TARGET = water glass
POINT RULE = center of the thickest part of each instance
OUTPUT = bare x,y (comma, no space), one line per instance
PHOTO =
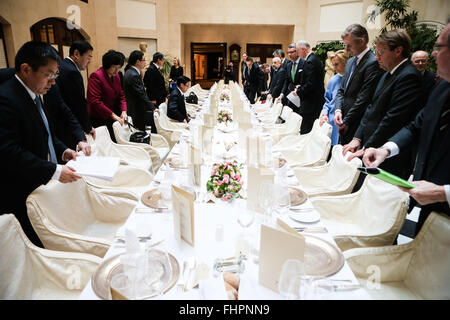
290,278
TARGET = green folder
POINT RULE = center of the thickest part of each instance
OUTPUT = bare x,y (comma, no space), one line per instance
387,177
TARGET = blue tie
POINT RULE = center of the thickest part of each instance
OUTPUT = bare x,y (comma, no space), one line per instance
352,70
50,140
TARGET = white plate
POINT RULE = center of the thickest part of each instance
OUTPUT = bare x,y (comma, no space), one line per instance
309,216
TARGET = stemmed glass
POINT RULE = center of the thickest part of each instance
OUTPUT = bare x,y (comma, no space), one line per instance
289,282
283,199
266,199
158,268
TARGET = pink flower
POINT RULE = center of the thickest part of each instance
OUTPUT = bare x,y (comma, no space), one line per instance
232,174
219,182
213,172
237,177
226,178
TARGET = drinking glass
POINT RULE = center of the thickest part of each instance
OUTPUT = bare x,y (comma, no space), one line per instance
158,268
290,278
266,199
283,199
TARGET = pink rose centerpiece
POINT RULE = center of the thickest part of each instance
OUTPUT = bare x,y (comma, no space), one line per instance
226,180
225,96
224,116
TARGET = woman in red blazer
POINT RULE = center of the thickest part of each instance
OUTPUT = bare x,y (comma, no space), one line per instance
105,97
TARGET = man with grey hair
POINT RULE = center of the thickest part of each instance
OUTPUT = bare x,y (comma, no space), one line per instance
310,89
361,76
279,76
420,60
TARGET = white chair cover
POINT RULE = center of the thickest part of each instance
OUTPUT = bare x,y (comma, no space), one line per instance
77,217
370,217
158,150
285,113
127,177
337,177
272,115
416,270
28,272
168,129
103,146
290,128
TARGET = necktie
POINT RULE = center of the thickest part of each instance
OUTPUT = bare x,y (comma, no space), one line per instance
352,69
444,120
50,140
293,70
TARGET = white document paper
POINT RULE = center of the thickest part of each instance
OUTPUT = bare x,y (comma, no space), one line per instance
98,167
294,99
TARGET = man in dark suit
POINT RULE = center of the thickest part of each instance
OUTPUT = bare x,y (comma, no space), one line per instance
278,78
176,107
358,84
253,79
431,132
394,103
154,80
64,124
71,86
29,151
420,60
139,106
264,77
311,90
244,70
294,70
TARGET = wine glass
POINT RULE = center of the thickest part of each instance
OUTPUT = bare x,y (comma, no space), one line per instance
266,199
290,279
283,199
158,268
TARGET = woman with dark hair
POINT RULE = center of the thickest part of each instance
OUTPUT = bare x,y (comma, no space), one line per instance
106,100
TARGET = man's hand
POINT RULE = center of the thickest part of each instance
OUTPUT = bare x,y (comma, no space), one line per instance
68,174
93,134
338,118
278,99
357,154
69,154
426,192
85,147
353,146
154,102
269,97
294,93
184,121
158,111
374,157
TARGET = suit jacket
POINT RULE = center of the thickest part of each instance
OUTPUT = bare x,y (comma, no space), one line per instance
433,147
353,99
254,78
428,82
311,90
243,71
264,77
277,83
105,95
394,105
23,146
176,108
71,86
289,85
138,102
175,73
155,84
65,126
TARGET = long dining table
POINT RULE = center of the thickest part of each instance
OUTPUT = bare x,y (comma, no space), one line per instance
217,232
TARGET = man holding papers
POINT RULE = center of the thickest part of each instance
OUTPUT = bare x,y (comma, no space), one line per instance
29,151
431,132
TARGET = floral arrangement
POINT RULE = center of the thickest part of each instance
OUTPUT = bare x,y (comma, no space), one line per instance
224,116
225,95
226,180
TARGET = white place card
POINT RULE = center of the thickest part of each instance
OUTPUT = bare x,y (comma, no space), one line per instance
255,176
183,215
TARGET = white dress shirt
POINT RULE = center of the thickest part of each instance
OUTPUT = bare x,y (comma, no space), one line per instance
58,170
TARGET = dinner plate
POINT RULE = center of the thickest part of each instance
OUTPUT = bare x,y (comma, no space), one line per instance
305,216
101,279
152,199
321,257
298,196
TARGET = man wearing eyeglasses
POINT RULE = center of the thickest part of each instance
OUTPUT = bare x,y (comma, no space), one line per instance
420,60
430,131
29,150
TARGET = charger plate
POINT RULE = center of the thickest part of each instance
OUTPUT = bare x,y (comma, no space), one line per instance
321,257
151,199
101,279
298,196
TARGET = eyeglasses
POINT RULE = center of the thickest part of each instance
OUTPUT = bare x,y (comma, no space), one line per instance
379,52
52,76
438,46
420,61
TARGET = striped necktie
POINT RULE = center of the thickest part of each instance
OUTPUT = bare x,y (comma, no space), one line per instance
51,148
